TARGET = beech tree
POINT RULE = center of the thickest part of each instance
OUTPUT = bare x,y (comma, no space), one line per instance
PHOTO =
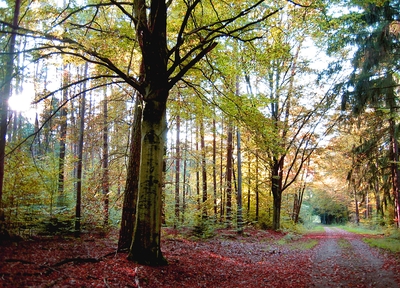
164,61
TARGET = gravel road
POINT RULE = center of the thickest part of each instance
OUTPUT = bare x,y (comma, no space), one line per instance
342,259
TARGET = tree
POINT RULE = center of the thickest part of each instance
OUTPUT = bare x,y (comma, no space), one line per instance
374,81
164,62
151,33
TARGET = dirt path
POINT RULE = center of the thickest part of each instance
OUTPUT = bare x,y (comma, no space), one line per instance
343,260
255,259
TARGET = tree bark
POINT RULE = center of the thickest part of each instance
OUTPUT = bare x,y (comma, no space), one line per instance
146,247
277,192
229,169
80,159
61,197
132,181
105,180
203,171
239,183
177,170
257,189
214,157
184,186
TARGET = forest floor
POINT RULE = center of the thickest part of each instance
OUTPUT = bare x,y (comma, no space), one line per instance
257,258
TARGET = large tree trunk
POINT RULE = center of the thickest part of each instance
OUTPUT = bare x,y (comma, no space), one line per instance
146,247
132,181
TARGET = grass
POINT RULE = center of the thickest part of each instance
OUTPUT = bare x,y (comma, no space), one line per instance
359,229
389,239
295,242
315,228
344,243
386,243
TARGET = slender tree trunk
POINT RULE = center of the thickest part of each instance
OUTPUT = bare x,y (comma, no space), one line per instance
276,188
221,178
229,168
239,183
80,158
177,171
105,180
356,203
298,198
395,170
132,181
257,189
379,210
61,197
203,170
214,159
184,188
5,93
248,189
197,172
394,149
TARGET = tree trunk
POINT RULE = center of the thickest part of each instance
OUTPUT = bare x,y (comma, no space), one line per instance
184,188
80,157
276,188
239,183
203,170
394,149
229,160
214,157
379,210
132,181
105,180
61,197
395,169
298,198
5,93
146,247
257,189
177,171
356,204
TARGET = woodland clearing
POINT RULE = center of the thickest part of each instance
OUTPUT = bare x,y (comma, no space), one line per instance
257,258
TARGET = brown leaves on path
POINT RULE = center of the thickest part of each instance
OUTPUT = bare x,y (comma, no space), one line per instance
255,259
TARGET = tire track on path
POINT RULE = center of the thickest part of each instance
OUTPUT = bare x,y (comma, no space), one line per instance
342,259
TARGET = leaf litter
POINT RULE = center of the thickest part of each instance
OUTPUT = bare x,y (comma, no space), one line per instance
257,258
